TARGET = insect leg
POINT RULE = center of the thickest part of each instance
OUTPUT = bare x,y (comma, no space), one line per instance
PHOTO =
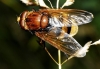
41,42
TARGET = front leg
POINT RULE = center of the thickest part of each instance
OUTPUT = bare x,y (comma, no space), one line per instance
41,42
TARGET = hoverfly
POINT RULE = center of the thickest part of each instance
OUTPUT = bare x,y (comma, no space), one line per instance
56,26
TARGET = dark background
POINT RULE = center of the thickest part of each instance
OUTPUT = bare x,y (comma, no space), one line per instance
19,48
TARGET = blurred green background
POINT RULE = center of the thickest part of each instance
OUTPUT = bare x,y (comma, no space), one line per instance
19,48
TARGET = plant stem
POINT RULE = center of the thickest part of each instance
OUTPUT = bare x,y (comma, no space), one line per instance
59,59
57,4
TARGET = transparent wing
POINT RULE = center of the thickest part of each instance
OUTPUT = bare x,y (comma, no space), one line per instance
66,44
69,16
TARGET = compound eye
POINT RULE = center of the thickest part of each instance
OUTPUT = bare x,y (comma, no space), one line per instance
21,20
27,20
33,20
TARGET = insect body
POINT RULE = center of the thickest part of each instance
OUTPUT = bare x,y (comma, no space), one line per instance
57,27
